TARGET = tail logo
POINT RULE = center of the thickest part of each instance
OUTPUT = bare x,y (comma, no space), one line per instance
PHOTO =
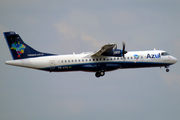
18,47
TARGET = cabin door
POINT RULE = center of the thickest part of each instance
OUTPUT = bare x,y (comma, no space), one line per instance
52,64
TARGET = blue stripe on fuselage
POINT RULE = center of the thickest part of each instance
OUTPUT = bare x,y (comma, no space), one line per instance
98,66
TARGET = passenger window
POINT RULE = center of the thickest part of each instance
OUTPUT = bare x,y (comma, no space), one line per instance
72,60
96,59
82,60
61,61
75,60
79,60
89,59
68,60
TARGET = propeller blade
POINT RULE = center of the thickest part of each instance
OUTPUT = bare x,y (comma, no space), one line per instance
123,45
124,52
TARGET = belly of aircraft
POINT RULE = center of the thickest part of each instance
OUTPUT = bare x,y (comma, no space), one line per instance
92,67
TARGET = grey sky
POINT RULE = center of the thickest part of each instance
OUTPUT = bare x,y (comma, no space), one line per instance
67,26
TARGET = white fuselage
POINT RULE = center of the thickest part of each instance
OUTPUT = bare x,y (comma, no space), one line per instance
84,61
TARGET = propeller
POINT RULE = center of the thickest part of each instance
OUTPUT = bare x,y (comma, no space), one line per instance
123,51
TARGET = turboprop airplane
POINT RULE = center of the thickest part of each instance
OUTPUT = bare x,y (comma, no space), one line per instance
108,58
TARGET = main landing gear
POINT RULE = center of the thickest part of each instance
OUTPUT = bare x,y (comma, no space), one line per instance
99,73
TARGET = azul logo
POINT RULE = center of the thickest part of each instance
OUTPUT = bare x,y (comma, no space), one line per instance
154,55
18,47
136,56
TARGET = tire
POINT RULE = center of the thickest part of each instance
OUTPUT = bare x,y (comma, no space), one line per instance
167,70
97,74
102,73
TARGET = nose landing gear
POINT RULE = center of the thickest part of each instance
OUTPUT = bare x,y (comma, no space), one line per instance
167,70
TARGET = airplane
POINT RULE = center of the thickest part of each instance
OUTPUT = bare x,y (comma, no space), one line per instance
108,58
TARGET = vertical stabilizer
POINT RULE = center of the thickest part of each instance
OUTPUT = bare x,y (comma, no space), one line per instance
19,49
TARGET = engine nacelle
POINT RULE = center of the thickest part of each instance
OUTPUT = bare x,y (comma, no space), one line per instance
114,52
117,52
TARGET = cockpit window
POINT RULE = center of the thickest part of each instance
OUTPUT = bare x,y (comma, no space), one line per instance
164,53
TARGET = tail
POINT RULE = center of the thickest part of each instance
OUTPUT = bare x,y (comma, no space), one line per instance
19,49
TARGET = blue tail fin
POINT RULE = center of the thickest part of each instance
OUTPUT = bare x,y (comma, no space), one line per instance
19,49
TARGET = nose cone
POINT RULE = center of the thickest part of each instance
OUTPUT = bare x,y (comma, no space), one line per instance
174,59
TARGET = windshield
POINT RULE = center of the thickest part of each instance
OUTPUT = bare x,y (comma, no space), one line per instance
164,53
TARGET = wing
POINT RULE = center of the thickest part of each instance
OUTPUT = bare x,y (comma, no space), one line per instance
105,48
